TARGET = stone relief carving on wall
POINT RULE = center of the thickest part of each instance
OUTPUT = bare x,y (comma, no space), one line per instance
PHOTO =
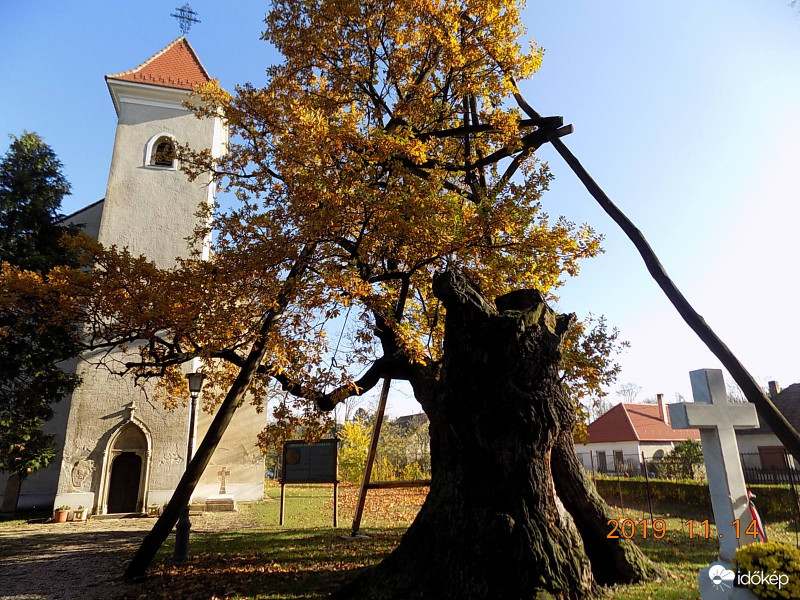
81,471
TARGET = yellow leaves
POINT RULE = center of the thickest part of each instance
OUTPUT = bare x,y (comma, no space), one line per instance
172,389
506,123
213,98
364,44
362,144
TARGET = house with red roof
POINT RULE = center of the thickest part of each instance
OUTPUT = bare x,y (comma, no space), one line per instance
618,439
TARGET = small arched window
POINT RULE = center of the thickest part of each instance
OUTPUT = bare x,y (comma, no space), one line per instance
164,155
658,455
160,152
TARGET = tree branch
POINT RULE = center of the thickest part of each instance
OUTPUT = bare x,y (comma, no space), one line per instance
786,433
385,367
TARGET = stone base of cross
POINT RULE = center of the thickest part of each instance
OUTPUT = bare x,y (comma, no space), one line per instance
221,503
717,419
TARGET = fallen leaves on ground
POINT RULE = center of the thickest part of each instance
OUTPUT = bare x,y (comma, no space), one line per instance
305,559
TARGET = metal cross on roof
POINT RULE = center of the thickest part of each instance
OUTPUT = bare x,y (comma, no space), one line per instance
186,16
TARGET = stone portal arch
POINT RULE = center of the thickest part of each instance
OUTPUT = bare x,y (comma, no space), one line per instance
126,471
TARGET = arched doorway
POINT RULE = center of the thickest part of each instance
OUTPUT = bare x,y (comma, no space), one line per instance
125,474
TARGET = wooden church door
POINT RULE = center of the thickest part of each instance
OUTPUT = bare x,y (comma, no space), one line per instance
123,487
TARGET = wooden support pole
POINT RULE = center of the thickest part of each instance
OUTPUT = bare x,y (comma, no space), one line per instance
335,504
787,434
283,500
647,484
373,447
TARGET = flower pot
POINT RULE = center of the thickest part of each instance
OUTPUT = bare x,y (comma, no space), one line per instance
60,516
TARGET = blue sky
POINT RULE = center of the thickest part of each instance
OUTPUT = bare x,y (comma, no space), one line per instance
684,112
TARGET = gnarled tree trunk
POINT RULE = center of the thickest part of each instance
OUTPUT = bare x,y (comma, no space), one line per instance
613,560
492,525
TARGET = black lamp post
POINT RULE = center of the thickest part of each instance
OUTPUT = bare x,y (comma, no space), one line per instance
184,525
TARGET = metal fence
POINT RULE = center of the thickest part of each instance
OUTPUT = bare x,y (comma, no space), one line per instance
773,466
630,481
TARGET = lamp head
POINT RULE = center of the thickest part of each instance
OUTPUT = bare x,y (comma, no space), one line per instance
195,382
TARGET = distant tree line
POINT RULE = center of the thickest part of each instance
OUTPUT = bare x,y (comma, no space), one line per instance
403,448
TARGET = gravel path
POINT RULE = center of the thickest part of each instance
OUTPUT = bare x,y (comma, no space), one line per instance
81,560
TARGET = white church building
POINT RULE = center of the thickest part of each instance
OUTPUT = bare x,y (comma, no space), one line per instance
119,452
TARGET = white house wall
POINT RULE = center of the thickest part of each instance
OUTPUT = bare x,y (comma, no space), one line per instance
630,450
650,448
749,444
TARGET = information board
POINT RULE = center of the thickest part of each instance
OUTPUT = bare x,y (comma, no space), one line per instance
316,462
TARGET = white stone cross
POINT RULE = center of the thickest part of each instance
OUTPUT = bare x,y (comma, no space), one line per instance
716,419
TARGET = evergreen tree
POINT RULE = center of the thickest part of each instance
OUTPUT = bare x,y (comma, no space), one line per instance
32,187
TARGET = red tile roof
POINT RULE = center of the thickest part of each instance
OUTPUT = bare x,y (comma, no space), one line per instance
176,66
636,422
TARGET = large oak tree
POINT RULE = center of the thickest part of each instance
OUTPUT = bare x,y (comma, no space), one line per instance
382,174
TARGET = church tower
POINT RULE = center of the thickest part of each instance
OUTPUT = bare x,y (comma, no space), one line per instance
150,204
120,452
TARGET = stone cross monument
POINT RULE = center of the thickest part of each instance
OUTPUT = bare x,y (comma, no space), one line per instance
716,419
222,475
222,501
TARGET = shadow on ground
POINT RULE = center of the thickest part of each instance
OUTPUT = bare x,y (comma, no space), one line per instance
306,563
72,562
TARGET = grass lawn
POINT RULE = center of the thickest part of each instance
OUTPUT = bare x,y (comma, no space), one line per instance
307,558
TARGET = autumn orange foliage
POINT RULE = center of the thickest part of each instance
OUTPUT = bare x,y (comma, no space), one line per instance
382,149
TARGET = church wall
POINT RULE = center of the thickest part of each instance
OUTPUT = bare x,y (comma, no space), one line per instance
150,210
38,490
89,217
239,453
100,406
170,202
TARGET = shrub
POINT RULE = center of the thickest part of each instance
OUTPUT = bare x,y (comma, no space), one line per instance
770,559
355,437
774,502
402,455
384,470
414,472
